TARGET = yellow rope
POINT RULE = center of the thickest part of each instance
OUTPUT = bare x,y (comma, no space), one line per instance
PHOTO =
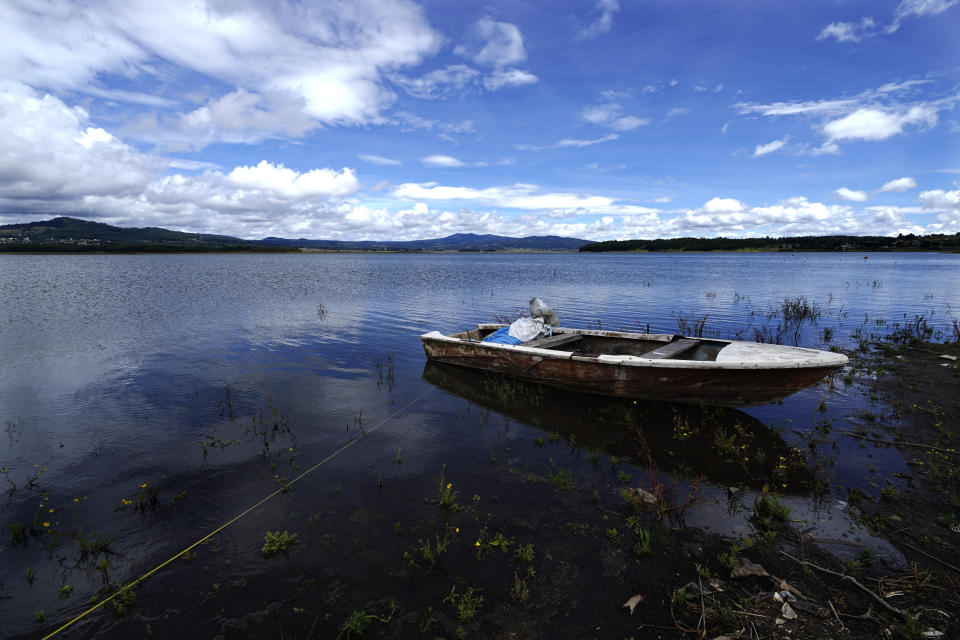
237,517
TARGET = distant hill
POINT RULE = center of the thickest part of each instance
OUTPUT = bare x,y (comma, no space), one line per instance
65,234
75,235
456,242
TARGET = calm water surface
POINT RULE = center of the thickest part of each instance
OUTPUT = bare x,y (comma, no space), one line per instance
157,370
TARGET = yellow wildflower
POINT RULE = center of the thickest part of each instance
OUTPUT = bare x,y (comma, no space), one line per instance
46,524
449,484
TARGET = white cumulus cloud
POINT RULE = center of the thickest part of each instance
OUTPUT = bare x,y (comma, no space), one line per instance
287,183
566,143
722,205
872,124
770,147
294,66
381,160
940,199
575,142
872,115
799,209
493,44
440,83
607,10
850,195
521,196
441,161
898,185
849,31
920,8
629,123
54,162
49,151
501,78
610,114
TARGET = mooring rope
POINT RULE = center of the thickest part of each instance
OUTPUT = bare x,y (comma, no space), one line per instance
238,516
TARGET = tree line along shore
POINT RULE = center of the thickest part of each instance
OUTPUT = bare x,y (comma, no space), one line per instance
911,242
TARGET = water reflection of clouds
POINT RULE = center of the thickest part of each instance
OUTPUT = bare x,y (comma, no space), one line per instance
130,329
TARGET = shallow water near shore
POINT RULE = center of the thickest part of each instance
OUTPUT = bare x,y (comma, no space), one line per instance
150,399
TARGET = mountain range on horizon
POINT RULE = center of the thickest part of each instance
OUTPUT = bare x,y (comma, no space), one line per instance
65,233
73,235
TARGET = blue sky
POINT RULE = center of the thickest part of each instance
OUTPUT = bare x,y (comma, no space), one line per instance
368,119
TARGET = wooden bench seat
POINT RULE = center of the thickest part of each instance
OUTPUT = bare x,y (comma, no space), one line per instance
671,349
553,341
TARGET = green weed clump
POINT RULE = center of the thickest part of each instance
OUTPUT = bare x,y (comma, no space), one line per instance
431,551
275,542
771,507
561,479
356,623
520,591
124,602
448,495
525,554
485,544
467,604
679,596
729,558
19,534
642,547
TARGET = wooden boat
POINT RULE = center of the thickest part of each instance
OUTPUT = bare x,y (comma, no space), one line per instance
646,366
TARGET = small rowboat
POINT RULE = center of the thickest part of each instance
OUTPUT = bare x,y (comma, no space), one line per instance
645,366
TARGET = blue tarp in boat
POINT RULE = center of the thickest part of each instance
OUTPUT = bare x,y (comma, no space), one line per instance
501,336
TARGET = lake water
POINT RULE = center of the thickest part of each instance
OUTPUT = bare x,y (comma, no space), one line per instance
149,399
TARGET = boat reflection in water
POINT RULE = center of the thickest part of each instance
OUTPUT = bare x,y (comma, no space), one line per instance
723,445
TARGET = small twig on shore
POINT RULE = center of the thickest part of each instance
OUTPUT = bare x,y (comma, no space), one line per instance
703,608
830,541
852,581
840,622
896,443
932,557
868,616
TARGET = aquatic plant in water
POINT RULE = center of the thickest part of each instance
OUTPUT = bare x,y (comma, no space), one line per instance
276,542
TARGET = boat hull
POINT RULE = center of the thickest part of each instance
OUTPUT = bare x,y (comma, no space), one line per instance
703,383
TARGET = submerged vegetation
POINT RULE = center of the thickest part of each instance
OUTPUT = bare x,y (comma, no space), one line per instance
275,542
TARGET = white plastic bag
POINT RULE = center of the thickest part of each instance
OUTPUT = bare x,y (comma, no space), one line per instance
540,309
526,329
